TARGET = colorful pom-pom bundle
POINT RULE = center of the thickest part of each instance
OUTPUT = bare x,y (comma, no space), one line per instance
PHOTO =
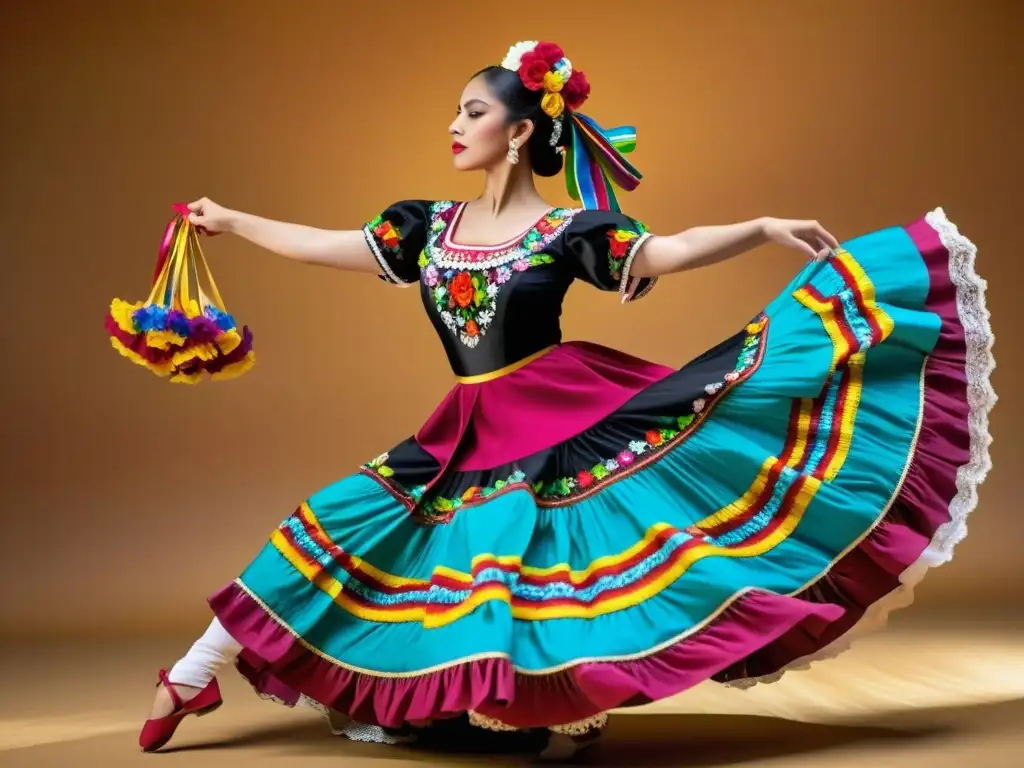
182,330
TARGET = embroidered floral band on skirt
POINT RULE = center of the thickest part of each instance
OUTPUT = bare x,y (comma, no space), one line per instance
182,330
832,457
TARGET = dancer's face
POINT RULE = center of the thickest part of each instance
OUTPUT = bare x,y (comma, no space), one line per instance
481,132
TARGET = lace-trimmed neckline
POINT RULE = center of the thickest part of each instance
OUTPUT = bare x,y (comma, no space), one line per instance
444,252
452,229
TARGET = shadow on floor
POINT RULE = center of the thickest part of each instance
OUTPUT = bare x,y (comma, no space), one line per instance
697,741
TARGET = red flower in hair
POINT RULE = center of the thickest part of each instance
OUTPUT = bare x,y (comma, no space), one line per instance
532,71
550,52
576,91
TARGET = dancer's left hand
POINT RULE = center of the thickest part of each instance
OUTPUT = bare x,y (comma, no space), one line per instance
809,237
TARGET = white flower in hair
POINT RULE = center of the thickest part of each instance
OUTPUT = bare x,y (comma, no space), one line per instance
514,57
564,69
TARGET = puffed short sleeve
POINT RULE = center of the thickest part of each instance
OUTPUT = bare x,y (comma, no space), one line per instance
397,237
602,245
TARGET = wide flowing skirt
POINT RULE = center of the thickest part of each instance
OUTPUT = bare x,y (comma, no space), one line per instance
538,560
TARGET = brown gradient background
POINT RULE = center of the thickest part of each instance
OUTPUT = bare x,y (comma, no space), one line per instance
126,500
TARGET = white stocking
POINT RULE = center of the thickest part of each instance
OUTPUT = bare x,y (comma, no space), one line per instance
206,657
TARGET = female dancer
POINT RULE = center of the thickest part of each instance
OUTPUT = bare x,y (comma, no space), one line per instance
574,529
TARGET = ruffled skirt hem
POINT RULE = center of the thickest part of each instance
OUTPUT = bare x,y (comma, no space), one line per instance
958,397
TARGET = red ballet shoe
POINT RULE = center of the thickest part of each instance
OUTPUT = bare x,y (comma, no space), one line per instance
159,730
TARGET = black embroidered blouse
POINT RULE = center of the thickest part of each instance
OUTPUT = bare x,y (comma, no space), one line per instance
494,306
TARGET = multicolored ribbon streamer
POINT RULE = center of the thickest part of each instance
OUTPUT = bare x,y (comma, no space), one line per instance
595,163
181,210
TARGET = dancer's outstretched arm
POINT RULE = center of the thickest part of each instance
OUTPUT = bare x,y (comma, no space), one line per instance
702,246
340,249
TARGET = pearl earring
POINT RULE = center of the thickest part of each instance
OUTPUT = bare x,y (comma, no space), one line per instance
513,151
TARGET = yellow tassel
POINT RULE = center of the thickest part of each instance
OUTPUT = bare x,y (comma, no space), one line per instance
163,339
198,352
122,311
228,342
160,369
185,378
235,370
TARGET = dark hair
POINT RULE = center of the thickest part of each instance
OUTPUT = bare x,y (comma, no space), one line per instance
524,104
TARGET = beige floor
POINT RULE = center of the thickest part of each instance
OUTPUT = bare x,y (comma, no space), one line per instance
921,694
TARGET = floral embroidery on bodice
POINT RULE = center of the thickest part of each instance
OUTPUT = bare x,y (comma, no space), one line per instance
493,306
465,280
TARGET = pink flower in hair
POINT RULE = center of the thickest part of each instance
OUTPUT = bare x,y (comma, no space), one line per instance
549,52
532,71
576,90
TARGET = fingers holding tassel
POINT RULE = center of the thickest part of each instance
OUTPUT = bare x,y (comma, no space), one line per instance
207,217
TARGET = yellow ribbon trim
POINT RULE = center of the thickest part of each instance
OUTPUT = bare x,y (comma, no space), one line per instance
492,375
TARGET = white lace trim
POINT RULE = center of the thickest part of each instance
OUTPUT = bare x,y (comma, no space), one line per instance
351,729
575,728
628,284
444,254
370,734
981,397
582,727
389,274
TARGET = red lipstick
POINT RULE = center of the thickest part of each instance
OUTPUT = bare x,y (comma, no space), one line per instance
456,148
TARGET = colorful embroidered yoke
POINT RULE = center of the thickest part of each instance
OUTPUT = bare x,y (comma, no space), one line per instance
575,530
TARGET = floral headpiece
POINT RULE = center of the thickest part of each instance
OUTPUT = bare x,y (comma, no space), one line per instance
594,157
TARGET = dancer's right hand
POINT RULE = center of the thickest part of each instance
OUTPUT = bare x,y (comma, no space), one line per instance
209,217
